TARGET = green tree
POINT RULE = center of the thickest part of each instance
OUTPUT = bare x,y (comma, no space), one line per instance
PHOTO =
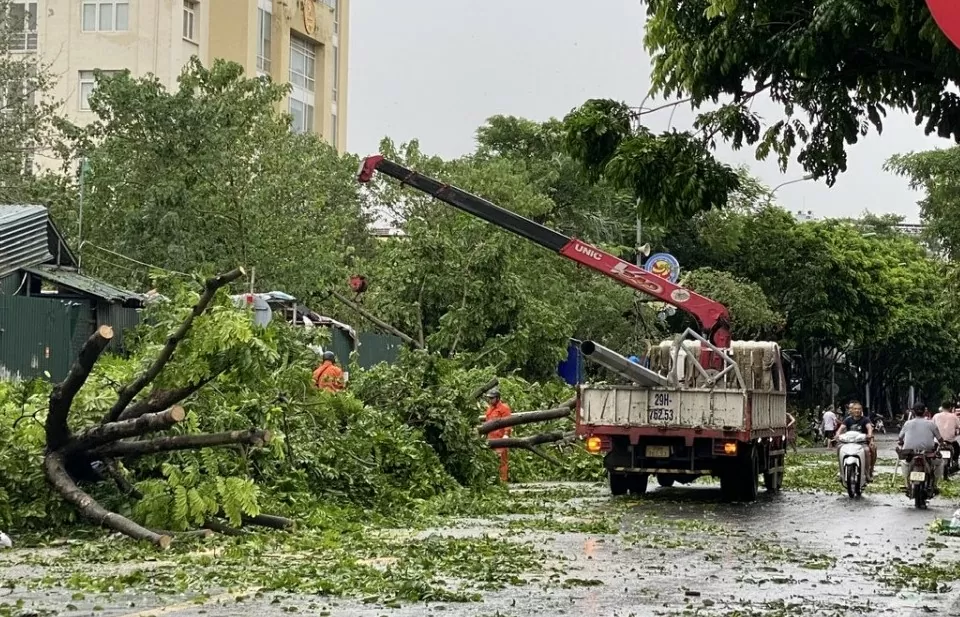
834,67
209,175
606,137
476,290
935,172
28,130
751,316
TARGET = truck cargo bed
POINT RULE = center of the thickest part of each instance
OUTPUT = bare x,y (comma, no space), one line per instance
701,410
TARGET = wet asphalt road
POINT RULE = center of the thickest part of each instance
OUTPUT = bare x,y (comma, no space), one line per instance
680,551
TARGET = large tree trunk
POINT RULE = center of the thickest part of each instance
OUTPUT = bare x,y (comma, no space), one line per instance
70,457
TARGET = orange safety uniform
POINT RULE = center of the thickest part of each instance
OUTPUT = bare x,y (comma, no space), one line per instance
329,377
495,412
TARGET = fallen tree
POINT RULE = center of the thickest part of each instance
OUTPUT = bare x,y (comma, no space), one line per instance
528,417
531,417
92,454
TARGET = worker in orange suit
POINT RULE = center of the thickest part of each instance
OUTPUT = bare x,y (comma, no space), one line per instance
328,375
498,409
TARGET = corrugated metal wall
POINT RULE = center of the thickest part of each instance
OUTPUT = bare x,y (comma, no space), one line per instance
374,348
36,335
118,318
11,283
23,237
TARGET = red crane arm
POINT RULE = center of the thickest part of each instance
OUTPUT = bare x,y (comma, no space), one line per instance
712,316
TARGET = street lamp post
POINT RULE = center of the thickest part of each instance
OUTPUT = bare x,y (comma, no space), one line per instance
783,184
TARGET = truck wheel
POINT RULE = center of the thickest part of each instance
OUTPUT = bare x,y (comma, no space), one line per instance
618,483
728,485
749,473
665,481
773,482
638,483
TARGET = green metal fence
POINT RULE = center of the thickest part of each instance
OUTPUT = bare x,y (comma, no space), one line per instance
37,336
374,348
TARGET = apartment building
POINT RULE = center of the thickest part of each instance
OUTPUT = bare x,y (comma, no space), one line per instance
302,42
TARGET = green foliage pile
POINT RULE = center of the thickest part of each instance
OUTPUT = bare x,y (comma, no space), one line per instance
400,436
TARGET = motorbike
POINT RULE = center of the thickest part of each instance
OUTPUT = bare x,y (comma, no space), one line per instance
951,459
879,427
852,455
921,473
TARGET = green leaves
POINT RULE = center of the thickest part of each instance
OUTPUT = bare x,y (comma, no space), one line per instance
208,176
595,131
673,176
833,67
750,313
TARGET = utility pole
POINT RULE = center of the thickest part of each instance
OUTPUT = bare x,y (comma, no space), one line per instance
833,383
639,240
83,172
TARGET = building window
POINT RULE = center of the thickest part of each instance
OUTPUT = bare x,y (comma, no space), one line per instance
302,112
88,83
336,71
23,25
303,70
189,19
334,132
303,64
106,16
264,23
16,96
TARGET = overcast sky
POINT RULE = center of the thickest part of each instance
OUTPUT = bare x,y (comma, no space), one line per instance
436,69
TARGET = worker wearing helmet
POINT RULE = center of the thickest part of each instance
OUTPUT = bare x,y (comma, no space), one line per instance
328,375
498,409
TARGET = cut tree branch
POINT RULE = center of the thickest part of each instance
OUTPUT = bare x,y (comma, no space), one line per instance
545,457
103,434
490,385
528,417
253,437
131,390
57,431
271,521
227,530
376,320
528,442
198,533
162,399
57,475
123,483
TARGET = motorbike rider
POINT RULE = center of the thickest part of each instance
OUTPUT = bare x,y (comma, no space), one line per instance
856,421
949,426
921,435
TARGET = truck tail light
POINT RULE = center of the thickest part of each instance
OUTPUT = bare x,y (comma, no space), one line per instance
725,448
598,443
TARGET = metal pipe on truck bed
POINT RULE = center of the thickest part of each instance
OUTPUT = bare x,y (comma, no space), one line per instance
610,359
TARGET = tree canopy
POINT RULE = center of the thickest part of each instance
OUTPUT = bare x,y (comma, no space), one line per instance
209,176
834,67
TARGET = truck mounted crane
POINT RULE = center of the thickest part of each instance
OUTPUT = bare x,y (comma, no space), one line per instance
712,317
693,413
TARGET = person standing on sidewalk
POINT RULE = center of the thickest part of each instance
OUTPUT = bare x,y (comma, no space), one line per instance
830,422
496,410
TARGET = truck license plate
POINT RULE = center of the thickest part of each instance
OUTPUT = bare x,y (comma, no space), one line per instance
917,476
659,414
658,451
